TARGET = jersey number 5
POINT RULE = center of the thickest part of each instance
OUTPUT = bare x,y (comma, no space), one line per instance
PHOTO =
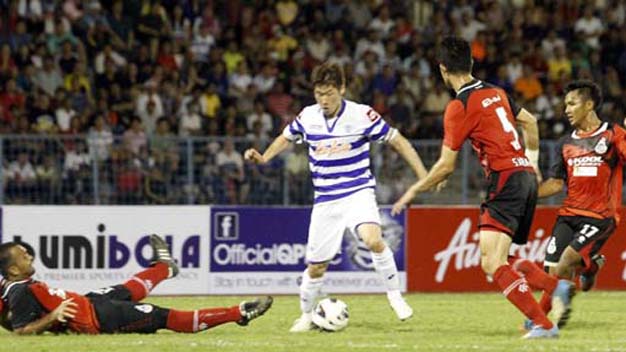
508,127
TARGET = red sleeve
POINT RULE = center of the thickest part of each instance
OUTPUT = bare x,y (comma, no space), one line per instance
620,143
455,128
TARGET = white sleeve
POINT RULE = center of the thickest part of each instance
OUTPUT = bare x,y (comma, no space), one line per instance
378,130
294,131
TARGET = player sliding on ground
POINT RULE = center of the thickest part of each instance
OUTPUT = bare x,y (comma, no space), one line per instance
487,116
31,307
338,133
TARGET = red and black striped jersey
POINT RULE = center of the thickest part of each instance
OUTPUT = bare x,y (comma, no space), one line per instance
30,300
591,165
484,114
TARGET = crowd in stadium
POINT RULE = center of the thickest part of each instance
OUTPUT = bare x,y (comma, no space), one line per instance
128,74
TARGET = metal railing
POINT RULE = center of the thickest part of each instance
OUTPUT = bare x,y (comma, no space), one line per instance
101,169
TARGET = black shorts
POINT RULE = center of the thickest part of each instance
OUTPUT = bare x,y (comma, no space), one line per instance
510,203
117,313
586,235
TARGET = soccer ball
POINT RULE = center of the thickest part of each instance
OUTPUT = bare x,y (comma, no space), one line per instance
331,314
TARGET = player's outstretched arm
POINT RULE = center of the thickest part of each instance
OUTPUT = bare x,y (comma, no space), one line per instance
65,311
530,131
278,146
406,150
550,186
440,171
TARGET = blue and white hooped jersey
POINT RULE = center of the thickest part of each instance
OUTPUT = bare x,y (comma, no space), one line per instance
339,148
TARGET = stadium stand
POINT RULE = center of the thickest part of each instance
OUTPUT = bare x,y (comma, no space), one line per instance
152,102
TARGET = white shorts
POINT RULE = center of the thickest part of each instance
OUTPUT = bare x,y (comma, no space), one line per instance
329,221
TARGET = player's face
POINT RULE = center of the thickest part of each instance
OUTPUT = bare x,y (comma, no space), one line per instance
577,108
329,98
22,263
444,76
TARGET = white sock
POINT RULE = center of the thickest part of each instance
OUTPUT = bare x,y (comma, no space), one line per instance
309,291
386,267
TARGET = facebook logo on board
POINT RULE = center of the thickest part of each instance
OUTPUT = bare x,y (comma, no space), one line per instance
226,226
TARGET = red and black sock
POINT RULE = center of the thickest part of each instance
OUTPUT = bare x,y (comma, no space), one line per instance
202,319
516,290
536,277
142,283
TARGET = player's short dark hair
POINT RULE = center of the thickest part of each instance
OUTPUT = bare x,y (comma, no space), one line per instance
5,257
587,90
455,54
328,74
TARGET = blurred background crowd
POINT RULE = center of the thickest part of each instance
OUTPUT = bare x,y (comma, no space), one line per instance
153,101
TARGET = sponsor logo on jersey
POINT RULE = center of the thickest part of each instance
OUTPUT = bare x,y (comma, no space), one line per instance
332,148
488,101
601,146
585,161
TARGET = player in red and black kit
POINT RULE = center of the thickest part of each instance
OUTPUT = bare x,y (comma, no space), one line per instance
485,115
30,307
590,166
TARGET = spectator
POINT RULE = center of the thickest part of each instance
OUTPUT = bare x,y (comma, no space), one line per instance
264,81
386,81
436,100
190,121
230,164
21,178
149,107
239,80
48,180
135,138
278,101
261,115
590,27
64,115
559,65
528,85
108,57
287,11
100,140
48,77
10,98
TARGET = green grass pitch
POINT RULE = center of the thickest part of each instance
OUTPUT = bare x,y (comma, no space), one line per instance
442,322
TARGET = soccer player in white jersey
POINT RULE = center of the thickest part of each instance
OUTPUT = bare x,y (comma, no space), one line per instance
339,133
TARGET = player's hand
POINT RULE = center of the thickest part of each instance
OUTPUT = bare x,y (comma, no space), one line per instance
538,174
441,185
254,156
65,311
406,198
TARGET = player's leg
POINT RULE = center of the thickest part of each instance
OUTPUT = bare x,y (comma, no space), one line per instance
589,274
310,291
494,247
505,218
325,235
590,235
385,265
132,317
562,234
363,218
141,284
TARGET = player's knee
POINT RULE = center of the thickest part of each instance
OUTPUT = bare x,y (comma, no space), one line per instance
317,270
488,264
375,244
